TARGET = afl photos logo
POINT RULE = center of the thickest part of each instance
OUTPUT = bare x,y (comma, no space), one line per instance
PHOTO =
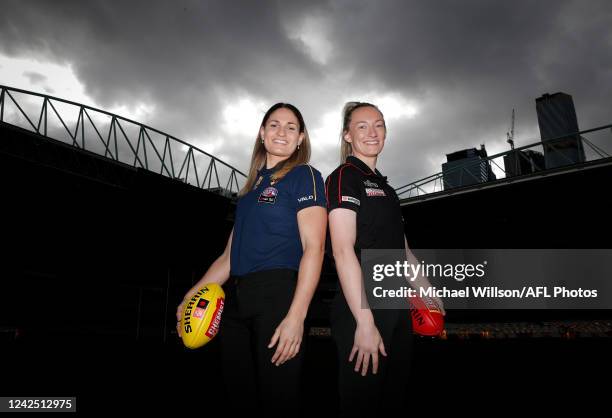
268,195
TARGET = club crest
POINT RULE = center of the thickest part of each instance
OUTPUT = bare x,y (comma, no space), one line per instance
268,195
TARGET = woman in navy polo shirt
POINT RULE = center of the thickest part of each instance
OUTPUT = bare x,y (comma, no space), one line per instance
273,259
364,213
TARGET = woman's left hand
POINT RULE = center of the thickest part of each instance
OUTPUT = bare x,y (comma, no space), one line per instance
289,335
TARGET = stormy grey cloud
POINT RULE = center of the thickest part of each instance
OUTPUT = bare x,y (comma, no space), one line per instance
34,77
450,72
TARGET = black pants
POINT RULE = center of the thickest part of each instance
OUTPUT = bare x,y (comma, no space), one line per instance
255,304
389,390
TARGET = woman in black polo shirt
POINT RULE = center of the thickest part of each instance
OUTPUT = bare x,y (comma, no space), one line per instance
364,213
273,259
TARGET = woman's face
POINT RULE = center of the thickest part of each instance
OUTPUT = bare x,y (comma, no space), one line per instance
366,132
281,133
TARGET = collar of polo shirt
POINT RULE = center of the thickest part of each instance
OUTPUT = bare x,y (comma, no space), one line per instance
351,159
265,171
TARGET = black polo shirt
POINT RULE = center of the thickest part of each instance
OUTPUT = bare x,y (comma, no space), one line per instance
355,186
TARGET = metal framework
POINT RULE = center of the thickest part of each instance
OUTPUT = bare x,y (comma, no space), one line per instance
436,183
125,140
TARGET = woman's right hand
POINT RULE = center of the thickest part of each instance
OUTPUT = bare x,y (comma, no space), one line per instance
179,313
368,343
180,309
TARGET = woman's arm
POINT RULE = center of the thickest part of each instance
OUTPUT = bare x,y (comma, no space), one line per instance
218,272
312,224
421,281
368,342
343,232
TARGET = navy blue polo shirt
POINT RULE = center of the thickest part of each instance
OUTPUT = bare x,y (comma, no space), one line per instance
266,234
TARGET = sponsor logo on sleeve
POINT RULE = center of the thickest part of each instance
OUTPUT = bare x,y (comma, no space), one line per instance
351,200
305,198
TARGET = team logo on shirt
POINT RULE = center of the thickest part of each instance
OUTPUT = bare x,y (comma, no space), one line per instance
373,189
268,195
374,192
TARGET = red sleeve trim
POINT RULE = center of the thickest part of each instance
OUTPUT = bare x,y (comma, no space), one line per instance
340,184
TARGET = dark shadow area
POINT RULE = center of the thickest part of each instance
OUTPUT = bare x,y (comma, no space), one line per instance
97,254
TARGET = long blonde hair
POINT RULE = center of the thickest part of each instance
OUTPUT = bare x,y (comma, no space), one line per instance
258,159
346,148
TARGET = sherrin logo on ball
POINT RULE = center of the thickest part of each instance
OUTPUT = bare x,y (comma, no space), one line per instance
202,316
427,320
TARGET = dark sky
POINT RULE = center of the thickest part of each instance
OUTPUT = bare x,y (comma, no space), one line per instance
447,74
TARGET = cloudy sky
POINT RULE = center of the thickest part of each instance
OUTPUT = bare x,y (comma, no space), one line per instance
447,74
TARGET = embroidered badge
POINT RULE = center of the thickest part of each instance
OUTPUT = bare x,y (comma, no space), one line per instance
369,183
268,195
351,199
374,192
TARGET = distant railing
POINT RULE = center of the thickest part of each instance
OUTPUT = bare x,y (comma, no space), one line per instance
124,140
438,183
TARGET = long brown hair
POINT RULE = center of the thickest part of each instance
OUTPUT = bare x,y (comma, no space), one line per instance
346,148
258,160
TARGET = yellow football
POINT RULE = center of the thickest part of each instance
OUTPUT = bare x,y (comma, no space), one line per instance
202,316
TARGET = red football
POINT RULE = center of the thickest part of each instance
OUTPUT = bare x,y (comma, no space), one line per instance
427,320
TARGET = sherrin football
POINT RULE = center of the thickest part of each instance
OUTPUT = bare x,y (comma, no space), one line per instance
202,316
427,320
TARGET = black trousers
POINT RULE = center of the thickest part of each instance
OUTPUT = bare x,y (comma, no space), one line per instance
388,391
255,304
